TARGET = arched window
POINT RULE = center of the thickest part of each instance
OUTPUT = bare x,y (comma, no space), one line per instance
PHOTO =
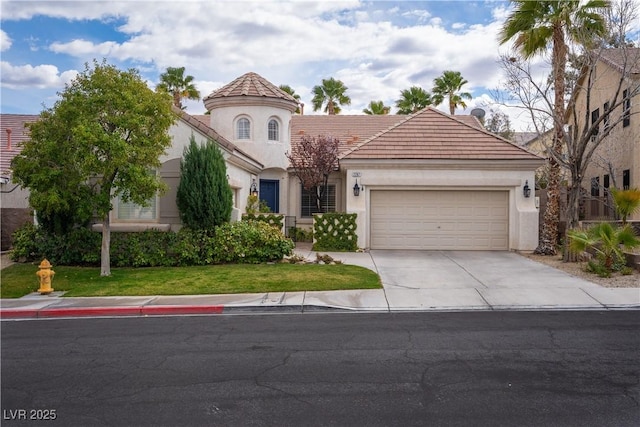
274,130
243,129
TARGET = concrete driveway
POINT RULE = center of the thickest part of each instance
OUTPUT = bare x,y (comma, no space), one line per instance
467,270
473,280
483,280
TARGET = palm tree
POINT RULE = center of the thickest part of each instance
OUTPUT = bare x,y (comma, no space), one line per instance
288,89
331,92
535,25
178,85
376,108
606,241
413,100
627,202
449,85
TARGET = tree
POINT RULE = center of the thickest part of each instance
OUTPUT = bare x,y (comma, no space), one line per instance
288,89
535,25
99,141
178,85
606,241
331,93
449,85
204,197
413,100
499,123
376,108
627,202
312,160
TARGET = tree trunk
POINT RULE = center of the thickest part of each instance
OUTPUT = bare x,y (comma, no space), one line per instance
105,256
573,207
551,219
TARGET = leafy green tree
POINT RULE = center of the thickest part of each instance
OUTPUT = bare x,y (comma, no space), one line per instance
288,89
331,94
413,100
178,85
449,85
99,141
535,25
377,108
204,197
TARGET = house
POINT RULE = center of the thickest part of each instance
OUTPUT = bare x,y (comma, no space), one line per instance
14,204
427,180
616,160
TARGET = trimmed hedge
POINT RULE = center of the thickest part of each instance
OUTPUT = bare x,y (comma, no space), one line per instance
238,242
335,231
275,220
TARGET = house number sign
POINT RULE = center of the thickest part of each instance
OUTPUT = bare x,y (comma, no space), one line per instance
356,174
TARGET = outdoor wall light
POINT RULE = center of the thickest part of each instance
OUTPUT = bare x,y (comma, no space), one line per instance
526,190
356,189
254,188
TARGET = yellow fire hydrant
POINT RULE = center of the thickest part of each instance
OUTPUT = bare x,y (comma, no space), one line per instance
46,276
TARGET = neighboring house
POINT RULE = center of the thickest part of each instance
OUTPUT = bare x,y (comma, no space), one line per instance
14,204
616,161
428,180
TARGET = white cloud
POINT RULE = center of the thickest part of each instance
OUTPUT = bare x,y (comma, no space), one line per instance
458,25
40,76
5,41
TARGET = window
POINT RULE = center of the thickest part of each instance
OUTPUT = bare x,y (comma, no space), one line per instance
243,129
605,110
309,202
595,115
274,130
626,179
595,187
133,211
626,108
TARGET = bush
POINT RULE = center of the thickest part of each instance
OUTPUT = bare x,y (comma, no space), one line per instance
238,242
250,242
80,246
335,231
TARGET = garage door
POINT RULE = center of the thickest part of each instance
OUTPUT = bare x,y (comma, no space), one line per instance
445,220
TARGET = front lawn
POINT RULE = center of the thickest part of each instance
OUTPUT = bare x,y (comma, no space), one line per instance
20,279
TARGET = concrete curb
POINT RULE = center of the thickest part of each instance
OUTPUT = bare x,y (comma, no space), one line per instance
174,310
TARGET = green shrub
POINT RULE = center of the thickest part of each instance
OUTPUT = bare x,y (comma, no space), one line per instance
149,248
335,232
25,243
80,246
275,220
194,247
250,242
300,234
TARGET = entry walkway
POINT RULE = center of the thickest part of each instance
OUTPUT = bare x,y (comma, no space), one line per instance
412,280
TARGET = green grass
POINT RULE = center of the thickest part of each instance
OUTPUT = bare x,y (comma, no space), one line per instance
20,279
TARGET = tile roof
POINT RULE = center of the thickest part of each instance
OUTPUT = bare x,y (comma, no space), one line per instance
623,58
431,134
12,146
349,130
251,84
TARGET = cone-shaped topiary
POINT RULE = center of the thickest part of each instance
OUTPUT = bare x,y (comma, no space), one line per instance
204,197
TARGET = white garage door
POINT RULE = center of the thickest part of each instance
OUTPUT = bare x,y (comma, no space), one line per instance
445,220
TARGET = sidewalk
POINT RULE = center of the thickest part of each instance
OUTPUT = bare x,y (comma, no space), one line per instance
453,282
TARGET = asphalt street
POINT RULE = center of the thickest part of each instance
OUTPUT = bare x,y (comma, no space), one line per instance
569,368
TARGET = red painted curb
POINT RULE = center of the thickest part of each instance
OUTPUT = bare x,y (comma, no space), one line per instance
18,313
151,310
89,311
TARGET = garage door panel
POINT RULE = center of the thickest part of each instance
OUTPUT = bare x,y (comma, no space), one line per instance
447,220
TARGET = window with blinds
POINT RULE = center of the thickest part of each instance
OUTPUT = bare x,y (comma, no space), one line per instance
133,211
309,202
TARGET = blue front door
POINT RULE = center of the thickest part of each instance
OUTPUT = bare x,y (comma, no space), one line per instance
270,193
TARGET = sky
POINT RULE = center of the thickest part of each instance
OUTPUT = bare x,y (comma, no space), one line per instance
376,48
